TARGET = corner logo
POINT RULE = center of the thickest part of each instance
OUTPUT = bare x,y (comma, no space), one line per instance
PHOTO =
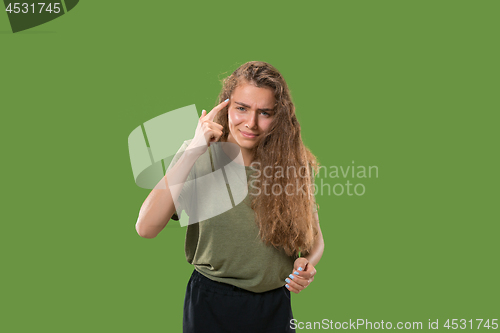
28,14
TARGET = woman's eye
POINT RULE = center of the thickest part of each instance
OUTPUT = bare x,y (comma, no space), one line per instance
265,113
240,107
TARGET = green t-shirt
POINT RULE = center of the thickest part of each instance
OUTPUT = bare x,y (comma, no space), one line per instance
227,248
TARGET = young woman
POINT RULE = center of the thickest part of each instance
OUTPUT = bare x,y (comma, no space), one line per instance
248,258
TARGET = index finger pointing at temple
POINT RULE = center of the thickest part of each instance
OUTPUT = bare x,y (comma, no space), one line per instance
211,115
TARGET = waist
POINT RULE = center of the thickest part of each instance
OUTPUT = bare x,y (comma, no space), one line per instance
224,288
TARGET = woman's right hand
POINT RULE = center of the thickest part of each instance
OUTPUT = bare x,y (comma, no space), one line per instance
207,130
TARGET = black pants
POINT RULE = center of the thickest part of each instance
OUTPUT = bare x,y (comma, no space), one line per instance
214,307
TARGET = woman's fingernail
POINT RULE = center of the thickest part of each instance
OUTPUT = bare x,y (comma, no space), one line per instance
287,280
296,273
226,100
300,268
287,286
291,276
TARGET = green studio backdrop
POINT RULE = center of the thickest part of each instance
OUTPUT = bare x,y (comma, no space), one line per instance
410,87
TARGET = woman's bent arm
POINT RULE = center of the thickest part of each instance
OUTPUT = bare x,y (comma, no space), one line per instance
159,206
315,254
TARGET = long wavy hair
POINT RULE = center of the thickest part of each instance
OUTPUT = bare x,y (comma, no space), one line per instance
285,221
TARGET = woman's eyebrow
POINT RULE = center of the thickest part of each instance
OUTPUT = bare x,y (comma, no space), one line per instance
248,106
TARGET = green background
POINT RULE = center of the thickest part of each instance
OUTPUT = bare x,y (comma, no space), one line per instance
408,86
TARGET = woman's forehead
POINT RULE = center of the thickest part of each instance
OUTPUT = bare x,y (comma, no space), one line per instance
253,96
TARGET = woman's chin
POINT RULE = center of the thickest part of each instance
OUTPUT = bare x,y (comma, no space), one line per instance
247,145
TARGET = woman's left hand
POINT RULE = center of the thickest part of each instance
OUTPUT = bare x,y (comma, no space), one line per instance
303,274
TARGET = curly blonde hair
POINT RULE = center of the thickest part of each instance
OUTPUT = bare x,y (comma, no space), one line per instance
285,221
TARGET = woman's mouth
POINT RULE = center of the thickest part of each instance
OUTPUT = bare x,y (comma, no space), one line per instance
248,135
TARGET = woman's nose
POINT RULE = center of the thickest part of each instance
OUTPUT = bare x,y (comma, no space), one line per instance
252,120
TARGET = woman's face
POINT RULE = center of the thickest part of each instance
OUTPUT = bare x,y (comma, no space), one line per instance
250,113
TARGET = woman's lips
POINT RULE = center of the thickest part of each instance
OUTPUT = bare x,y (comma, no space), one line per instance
248,135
